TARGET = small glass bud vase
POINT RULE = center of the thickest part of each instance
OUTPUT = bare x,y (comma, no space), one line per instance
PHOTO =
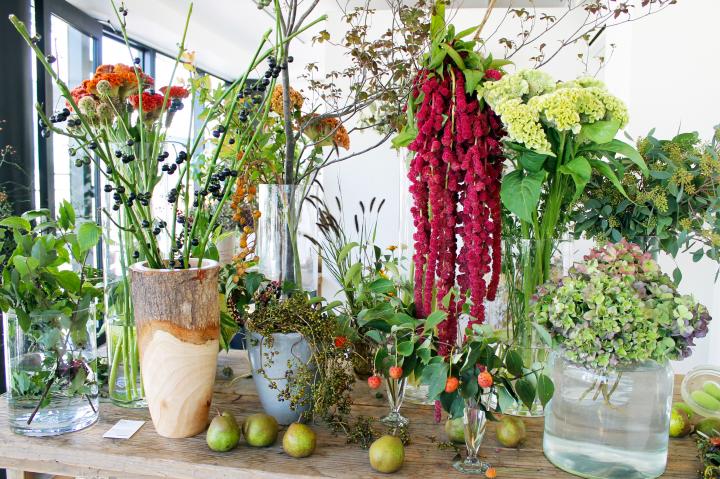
395,394
475,422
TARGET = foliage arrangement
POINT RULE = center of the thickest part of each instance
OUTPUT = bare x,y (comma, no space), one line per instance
559,136
327,373
483,372
454,176
52,302
676,204
118,121
617,308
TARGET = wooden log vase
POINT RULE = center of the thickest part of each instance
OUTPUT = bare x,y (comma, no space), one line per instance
178,329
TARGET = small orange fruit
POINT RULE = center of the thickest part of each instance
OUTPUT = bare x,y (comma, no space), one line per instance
396,372
451,384
491,473
485,379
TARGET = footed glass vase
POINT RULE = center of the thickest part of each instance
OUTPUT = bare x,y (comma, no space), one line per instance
396,394
475,421
608,424
51,372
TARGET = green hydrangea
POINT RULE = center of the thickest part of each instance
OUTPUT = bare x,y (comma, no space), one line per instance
617,308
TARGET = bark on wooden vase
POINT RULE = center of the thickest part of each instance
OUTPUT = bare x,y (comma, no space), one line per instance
178,330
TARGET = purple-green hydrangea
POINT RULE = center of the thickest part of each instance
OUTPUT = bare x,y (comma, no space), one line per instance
617,308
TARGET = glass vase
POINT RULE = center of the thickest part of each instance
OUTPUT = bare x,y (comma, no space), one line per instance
51,372
475,421
608,424
396,394
125,387
526,264
283,249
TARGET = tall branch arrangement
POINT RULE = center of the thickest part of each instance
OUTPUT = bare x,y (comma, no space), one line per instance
103,106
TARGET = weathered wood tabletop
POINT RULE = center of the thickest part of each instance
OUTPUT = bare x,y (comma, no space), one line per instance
146,455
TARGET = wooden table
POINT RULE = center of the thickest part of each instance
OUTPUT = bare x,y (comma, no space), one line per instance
146,455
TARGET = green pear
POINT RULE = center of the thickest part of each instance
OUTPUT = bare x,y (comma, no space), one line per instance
299,440
387,454
510,431
223,433
260,430
684,407
455,429
679,423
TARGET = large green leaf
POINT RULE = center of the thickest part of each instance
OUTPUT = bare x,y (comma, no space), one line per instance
514,363
381,286
88,235
545,389
435,375
520,193
435,318
622,148
405,348
472,79
525,391
580,170
532,161
69,280
16,222
601,131
605,170
345,250
352,276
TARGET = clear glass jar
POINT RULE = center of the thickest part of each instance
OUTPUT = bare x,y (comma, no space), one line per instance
608,424
283,249
395,394
51,373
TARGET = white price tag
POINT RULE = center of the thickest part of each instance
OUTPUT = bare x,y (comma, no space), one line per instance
124,429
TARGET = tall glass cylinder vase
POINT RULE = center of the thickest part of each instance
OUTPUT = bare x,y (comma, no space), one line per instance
527,264
125,386
283,249
51,372
609,424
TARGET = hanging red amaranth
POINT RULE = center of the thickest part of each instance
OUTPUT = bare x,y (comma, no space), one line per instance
455,184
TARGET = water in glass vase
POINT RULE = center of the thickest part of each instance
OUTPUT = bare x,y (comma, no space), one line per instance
609,425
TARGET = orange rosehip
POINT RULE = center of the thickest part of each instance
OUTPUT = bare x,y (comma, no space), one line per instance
374,382
396,372
485,379
491,473
340,341
451,384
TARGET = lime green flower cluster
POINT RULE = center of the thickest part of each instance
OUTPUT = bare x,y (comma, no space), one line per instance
530,101
617,308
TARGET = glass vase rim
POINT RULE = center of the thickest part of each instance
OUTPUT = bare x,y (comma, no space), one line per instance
621,367
291,335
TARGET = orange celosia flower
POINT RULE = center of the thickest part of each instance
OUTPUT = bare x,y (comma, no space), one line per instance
104,69
276,101
176,92
150,101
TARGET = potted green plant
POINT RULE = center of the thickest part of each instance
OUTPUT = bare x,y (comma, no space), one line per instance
616,321
48,295
299,363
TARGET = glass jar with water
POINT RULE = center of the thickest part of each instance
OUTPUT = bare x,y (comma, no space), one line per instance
608,424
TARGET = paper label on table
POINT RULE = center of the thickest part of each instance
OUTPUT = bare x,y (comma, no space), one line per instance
124,429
